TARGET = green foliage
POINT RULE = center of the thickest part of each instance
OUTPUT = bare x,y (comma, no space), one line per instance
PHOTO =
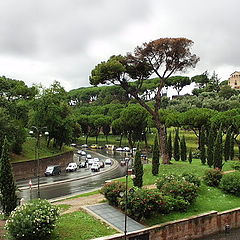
143,203
210,146
183,149
33,220
169,144
236,166
8,196
218,150
230,183
190,156
202,149
227,144
180,188
192,178
176,154
231,147
212,177
155,157
112,191
138,170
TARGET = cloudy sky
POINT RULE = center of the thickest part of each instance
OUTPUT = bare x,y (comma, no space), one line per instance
47,40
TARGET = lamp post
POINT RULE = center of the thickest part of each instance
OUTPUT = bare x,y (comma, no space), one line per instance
37,133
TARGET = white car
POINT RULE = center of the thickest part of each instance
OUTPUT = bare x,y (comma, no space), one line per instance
95,167
81,152
126,149
108,161
90,161
84,146
119,149
71,167
89,156
96,160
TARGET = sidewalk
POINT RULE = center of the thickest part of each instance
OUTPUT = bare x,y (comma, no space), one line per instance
114,217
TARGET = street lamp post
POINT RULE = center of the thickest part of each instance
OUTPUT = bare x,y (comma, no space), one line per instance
37,132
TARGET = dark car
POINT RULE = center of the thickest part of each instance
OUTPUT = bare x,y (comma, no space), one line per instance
53,170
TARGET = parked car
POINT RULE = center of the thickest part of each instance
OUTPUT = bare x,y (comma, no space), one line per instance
108,161
53,170
84,146
71,167
95,167
83,164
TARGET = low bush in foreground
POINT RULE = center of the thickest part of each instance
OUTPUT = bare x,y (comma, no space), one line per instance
230,183
33,220
212,177
112,191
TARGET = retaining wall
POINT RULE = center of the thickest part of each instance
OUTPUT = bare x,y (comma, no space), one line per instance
28,169
187,229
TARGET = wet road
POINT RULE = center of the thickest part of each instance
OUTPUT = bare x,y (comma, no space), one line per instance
53,188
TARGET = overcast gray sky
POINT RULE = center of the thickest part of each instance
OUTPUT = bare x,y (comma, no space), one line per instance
47,40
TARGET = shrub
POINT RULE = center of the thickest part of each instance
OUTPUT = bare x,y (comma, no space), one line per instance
212,177
189,177
33,220
180,188
230,183
174,204
236,166
166,179
142,203
112,191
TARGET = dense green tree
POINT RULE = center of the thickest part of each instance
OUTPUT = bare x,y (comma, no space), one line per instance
138,170
231,152
210,146
190,156
176,150
155,157
164,57
8,196
178,82
52,110
202,141
227,144
183,149
170,145
218,150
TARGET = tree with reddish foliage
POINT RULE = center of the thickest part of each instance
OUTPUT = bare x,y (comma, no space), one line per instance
163,57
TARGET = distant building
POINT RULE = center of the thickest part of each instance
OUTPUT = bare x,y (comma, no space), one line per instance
234,80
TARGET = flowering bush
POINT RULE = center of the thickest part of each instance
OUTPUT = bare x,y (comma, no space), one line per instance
33,220
180,188
189,177
166,179
112,191
230,183
142,203
212,177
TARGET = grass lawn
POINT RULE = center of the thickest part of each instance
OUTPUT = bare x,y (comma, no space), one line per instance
79,226
29,150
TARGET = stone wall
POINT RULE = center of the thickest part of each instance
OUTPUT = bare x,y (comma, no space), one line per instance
187,229
28,169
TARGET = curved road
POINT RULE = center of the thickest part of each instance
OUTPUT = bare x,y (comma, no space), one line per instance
68,184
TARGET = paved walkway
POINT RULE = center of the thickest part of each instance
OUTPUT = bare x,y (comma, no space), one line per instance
114,217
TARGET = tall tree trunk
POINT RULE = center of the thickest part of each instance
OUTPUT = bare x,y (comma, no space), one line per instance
162,135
